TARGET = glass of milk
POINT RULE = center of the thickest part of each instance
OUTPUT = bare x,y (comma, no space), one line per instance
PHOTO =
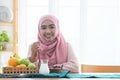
44,69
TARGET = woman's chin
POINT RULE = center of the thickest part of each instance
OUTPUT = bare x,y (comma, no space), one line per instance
48,39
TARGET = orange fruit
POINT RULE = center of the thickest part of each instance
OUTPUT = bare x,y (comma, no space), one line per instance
12,61
22,65
18,66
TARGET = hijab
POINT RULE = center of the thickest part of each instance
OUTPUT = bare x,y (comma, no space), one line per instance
56,49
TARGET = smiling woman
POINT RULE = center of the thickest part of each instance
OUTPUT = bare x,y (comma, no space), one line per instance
30,11
98,39
52,46
48,30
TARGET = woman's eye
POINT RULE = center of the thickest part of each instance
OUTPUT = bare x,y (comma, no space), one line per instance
43,27
51,26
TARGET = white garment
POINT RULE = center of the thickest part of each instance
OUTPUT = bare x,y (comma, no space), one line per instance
72,62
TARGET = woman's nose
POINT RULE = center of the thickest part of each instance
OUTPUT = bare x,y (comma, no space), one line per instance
48,30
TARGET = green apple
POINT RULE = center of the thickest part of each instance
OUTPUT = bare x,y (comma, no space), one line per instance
31,65
24,61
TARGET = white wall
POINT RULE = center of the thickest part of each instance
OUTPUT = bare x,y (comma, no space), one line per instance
100,32
7,3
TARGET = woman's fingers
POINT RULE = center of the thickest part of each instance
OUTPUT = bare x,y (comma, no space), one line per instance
58,66
36,45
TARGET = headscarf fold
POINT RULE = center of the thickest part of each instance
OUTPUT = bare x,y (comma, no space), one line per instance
57,48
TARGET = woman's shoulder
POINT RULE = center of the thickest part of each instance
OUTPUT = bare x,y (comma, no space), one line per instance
69,44
69,47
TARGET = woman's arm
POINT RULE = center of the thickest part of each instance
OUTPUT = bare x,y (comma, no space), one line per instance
72,62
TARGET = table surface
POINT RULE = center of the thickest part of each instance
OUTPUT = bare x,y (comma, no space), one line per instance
35,79
99,76
53,79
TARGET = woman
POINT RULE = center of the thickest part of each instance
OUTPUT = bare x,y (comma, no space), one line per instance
52,46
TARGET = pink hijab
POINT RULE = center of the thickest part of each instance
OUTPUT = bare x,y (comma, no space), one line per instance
56,50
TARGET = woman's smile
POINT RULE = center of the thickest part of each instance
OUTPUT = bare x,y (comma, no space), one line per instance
48,35
48,30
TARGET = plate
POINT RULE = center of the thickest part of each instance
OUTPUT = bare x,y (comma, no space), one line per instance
6,14
55,70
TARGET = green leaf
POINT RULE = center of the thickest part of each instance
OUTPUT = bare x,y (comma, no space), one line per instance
4,36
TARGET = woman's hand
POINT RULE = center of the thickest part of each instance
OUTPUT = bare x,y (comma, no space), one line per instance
34,48
58,66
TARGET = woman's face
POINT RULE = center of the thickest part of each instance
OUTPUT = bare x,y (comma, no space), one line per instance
48,30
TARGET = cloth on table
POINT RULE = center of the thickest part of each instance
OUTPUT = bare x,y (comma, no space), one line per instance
37,75
64,74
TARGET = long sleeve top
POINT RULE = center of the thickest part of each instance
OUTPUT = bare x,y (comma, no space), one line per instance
72,62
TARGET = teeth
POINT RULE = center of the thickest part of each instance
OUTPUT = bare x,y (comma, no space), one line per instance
48,36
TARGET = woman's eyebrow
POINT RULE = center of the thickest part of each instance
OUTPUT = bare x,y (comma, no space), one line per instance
47,25
43,25
51,24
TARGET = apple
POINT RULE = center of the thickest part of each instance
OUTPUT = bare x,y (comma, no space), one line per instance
24,61
31,65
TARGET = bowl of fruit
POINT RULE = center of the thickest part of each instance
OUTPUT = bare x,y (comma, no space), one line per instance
16,65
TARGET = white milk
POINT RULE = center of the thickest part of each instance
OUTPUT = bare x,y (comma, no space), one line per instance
44,69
